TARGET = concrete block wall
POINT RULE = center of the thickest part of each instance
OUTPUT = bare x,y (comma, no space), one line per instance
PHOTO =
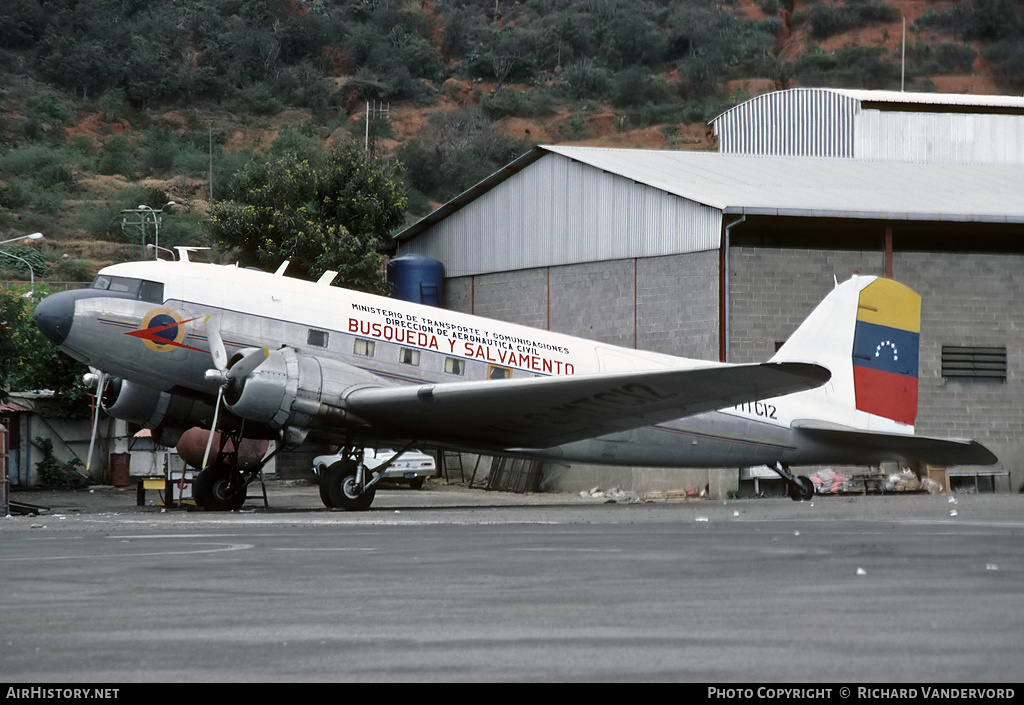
677,305
515,297
666,304
594,301
772,290
969,300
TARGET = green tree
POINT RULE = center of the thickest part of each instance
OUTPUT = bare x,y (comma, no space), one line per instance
334,217
29,361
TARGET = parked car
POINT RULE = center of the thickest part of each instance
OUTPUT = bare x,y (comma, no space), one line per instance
413,468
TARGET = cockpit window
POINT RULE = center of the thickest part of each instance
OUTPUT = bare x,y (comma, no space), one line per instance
152,292
125,285
141,289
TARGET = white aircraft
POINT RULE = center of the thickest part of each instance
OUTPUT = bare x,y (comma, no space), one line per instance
179,344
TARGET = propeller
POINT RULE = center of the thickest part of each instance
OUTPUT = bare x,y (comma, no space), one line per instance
224,374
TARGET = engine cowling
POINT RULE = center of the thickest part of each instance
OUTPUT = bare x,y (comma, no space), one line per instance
159,411
294,393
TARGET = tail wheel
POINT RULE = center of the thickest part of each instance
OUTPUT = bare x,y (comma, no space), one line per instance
218,489
342,490
801,488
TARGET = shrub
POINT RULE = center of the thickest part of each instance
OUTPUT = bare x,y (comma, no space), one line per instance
67,269
849,67
257,99
1007,60
54,473
829,20
44,115
21,259
117,157
945,58
635,87
37,176
503,104
585,81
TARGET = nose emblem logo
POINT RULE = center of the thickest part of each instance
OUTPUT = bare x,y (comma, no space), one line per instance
161,330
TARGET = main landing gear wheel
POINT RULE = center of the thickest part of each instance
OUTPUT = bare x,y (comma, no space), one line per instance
217,489
325,495
339,482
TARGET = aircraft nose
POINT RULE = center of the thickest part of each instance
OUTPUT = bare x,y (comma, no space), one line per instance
54,316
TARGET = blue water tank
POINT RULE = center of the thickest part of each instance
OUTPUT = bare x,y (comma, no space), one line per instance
417,278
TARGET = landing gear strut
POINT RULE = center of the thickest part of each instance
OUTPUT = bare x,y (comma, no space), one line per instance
799,487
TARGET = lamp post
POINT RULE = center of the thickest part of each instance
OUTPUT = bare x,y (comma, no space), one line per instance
31,272
157,214
156,250
33,236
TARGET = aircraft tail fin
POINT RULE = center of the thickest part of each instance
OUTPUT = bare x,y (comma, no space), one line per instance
867,333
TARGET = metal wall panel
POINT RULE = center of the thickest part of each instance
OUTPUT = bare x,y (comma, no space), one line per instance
834,123
560,211
800,122
948,138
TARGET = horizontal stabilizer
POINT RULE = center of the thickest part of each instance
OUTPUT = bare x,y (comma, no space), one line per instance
894,446
547,411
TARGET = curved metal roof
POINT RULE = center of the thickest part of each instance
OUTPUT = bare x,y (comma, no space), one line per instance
819,187
909,101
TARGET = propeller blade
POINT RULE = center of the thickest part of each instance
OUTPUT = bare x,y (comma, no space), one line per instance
100,379
249,362
217,350
213,428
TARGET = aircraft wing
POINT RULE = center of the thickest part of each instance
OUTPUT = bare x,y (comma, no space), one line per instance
548,411
936,451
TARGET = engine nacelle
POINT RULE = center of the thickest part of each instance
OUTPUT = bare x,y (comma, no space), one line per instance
295,392
152,408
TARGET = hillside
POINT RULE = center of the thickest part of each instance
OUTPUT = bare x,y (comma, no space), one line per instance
96,121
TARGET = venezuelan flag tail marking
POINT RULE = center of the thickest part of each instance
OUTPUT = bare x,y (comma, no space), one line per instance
885,351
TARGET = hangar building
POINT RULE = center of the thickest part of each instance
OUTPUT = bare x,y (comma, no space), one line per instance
720,256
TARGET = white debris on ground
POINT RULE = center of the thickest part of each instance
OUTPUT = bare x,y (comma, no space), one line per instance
616,494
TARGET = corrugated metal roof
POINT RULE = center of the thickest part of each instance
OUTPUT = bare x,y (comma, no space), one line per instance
981,101
11,407
820,187
793,186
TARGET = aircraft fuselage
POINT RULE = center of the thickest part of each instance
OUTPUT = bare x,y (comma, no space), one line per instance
148,323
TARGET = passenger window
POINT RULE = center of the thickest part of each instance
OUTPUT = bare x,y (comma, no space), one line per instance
495,372
364,347
317,338
454,366
408,356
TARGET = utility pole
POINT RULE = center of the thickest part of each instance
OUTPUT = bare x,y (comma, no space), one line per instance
139,219
374,111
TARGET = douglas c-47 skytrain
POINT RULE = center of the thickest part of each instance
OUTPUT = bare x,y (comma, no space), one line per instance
179,344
